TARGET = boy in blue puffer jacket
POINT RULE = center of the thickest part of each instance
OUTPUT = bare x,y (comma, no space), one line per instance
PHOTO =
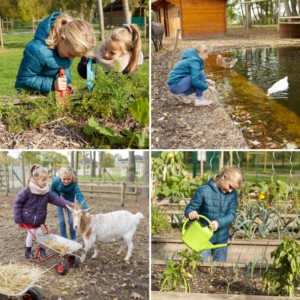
57,41
217,200
188,77
66,186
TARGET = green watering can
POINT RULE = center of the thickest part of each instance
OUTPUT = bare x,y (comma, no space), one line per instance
197,236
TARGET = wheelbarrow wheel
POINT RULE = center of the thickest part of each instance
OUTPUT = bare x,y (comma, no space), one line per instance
73,261
61,267
32,294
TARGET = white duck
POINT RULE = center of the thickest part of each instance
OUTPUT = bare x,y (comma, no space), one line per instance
279,86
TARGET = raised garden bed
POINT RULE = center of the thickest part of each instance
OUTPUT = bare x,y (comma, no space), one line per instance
246,250
194,296
219,281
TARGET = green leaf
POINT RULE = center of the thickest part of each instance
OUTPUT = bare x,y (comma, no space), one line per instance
140,111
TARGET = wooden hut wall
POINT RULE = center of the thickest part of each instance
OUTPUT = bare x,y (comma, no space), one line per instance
207,19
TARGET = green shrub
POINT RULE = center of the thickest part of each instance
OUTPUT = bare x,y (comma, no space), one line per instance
178,274
159,221
285,271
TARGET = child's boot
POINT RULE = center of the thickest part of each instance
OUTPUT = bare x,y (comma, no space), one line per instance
200,101
28,253
43,253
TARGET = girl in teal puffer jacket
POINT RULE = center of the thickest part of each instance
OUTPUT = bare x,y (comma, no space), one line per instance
217,200
57,41
66,186
188,77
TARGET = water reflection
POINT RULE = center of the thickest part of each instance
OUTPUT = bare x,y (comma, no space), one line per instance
255,72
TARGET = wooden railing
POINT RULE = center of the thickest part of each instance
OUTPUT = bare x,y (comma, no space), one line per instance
120,188
289,20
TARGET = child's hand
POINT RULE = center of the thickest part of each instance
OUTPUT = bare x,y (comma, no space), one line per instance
213,90
193,215
214,225
71,87
211,82
60,84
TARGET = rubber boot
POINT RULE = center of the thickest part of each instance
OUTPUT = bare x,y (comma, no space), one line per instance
43,253
28,253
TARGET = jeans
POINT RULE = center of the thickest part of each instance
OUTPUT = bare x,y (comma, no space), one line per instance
184,86
62,223
219,254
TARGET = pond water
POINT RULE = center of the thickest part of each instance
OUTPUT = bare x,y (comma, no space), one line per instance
246,87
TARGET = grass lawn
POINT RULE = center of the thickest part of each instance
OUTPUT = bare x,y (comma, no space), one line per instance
11,56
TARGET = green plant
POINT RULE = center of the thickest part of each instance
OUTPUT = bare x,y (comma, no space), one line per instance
178,274
159,221
113,93
232,275
245,224
268,220
285,271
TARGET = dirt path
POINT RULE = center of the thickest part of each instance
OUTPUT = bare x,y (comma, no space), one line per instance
176,125
107,277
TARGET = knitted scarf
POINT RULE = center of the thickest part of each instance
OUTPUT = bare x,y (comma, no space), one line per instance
35,189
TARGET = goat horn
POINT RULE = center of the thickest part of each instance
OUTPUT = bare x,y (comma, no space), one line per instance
82,203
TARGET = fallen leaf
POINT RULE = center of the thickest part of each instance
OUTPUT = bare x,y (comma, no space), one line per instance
136,296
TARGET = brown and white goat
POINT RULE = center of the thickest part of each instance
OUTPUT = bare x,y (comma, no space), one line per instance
109,227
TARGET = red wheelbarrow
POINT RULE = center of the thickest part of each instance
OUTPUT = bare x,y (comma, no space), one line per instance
56,247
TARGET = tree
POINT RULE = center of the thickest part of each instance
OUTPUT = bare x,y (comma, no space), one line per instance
127,14
145,193
5,161
130,176
108,160
101,19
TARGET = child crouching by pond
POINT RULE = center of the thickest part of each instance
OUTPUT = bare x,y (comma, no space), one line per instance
188,77
30,206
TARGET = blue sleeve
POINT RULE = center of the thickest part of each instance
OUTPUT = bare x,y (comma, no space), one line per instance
230,215
79,196
58,201
195,203
195,73
53,187
31,65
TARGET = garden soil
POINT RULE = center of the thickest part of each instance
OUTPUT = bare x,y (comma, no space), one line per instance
178,125
234,280
107,277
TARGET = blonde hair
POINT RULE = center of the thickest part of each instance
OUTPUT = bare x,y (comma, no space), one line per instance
129,39
203,47
78,33
68,170
233,173
36,171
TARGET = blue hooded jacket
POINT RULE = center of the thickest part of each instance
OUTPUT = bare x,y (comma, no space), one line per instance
68,192
210,202
40,64
190,64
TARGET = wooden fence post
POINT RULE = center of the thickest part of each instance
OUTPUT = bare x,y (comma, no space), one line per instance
1,36
123,188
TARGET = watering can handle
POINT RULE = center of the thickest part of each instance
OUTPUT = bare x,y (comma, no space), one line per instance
185,222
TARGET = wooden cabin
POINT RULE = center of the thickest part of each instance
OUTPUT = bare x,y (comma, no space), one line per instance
114,16
196,19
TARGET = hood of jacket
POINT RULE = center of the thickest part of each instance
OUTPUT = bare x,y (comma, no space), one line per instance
44,27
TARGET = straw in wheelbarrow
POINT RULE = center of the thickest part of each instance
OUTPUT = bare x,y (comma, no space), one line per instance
16,279
59,244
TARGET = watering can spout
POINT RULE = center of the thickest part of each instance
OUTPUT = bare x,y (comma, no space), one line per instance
197,236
